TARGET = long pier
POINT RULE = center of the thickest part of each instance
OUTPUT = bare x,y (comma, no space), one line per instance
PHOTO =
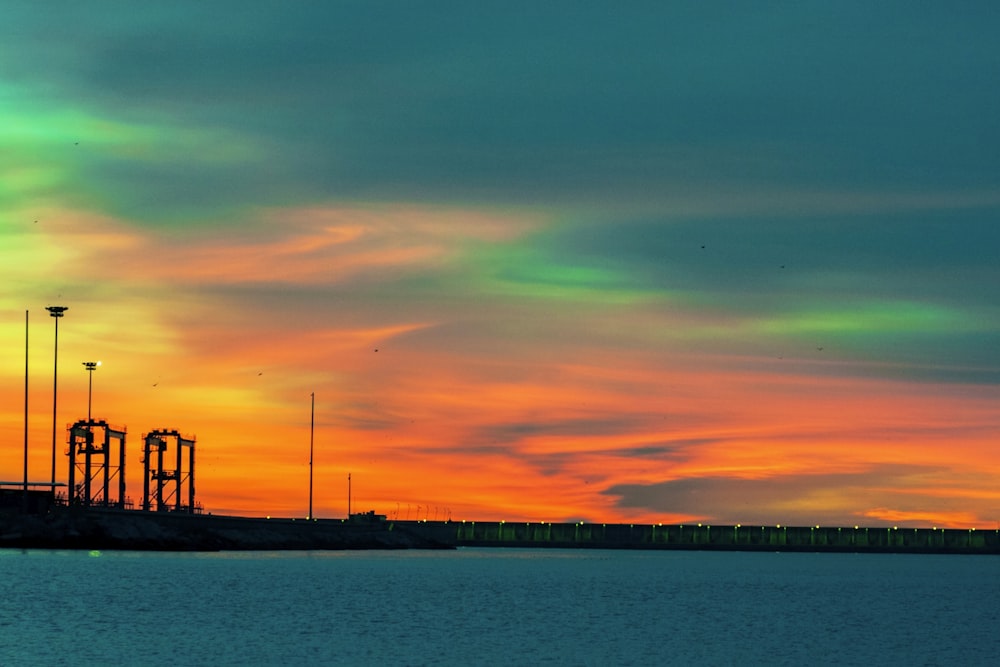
886,539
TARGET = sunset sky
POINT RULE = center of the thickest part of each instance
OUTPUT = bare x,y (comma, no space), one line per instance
652,262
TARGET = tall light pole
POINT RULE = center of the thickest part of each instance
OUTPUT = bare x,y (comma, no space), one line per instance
56,312
312,427
25,500
91,366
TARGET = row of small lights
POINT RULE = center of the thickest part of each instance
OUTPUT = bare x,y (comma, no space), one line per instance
632,525
738,525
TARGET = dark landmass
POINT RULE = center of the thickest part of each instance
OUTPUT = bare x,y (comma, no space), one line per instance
843,539
102,529
165,531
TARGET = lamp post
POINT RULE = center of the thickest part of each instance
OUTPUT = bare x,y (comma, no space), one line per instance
24,507
91,366
312,428
56,312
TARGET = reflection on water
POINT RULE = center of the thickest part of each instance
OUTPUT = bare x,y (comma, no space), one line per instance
496,606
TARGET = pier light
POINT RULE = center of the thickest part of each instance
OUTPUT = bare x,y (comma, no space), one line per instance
91,366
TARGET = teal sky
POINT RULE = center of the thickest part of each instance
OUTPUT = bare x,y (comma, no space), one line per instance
523,186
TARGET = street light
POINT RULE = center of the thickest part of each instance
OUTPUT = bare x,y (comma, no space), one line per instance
91,366
312,428
56,312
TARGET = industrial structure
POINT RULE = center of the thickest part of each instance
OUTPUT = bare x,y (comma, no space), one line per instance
167,490
96,453
90,454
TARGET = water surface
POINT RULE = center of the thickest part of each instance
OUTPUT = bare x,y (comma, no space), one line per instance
497,607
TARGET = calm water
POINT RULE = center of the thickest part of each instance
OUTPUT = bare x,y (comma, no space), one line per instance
497,607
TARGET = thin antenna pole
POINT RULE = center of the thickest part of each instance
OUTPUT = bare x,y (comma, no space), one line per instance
312,429
348,496
25,412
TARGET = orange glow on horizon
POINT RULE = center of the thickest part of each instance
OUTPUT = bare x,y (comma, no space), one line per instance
433,448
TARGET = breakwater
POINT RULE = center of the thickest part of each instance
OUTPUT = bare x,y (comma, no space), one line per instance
130,529
887,539
73,528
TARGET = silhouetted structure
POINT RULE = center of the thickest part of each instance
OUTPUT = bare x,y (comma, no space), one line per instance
157,443
40,497
56,312
91,366
92,457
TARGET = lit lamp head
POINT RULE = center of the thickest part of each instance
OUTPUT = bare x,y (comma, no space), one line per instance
56,311
91,365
